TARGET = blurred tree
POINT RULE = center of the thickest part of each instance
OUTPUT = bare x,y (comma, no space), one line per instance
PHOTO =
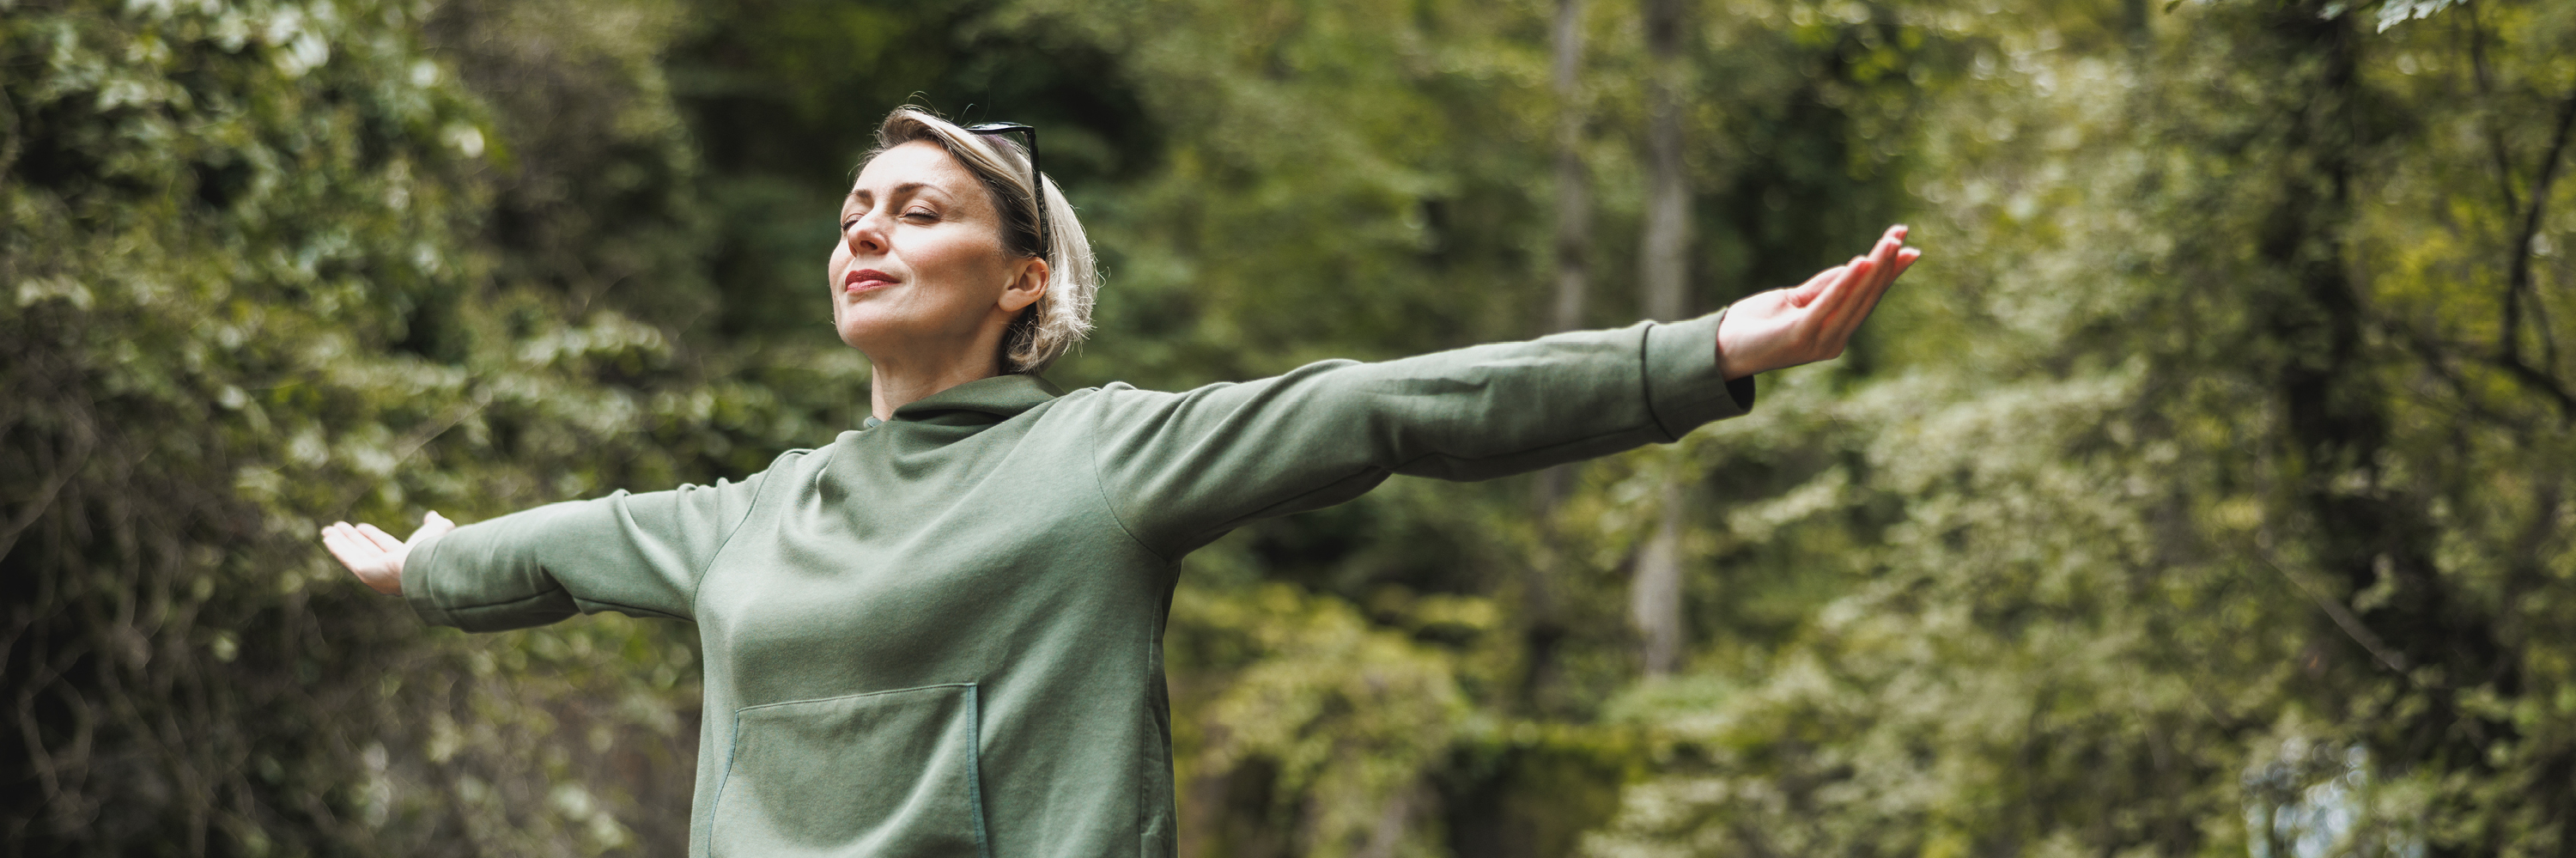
1543,621
2245,544
1655,593
270,265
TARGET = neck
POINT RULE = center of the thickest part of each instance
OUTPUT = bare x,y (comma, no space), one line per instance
895,382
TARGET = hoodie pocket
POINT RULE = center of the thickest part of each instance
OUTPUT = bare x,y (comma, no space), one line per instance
884,773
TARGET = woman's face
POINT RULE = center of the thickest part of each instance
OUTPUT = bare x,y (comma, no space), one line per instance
920,274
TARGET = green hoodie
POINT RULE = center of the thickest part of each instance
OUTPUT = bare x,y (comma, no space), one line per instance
941,635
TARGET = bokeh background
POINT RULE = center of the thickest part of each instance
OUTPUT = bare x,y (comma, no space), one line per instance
2207,491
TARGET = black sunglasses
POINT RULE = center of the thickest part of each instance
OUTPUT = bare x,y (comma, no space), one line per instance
1037,177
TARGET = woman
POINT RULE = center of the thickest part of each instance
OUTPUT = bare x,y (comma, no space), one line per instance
941,634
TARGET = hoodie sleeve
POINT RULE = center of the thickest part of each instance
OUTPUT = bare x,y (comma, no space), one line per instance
1181,469
637,554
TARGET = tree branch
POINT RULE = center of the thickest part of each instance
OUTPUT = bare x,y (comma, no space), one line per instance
2438,357
2343,618
83,440
2540,381
2484,78
2518,277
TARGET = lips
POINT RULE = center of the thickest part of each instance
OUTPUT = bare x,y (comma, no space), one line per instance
866,280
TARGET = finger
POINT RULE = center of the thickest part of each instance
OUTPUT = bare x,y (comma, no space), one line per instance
1838,301
1864,302
1851,309
1849,312
430,525
1884,245
1807,292
1895,250
348,553
1904,260
1883,255
1867,302
1882,271
378,536
1831,294
1888,273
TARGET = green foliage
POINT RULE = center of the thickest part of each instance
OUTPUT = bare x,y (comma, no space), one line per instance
2203,493
2217,521
273,265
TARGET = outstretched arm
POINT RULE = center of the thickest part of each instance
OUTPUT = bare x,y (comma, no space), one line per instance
375,556
1181,469
638,554
1783,328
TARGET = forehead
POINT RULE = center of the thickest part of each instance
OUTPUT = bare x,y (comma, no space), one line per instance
920,162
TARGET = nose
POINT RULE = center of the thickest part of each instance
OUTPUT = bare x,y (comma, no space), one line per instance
865,235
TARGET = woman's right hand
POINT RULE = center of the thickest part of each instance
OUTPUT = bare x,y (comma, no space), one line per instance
375,556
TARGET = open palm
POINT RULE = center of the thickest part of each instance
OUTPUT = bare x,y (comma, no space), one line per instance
1814,321
376,556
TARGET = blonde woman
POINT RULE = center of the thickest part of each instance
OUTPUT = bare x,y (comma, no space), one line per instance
941,634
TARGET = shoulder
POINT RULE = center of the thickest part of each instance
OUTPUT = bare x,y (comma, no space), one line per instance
1111,401
1120,394
791,467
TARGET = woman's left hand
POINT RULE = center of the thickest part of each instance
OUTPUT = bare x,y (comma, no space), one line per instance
1786,327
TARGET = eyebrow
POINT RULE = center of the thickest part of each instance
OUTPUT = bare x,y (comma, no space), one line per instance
899,190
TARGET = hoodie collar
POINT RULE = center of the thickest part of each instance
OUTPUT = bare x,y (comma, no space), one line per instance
1002,397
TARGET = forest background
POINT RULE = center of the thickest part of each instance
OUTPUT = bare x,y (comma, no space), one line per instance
2207,491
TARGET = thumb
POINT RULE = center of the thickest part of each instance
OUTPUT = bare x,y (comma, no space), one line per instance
431,525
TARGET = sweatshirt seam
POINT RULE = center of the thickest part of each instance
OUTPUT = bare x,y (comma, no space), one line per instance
1680,404
1646,383
629,610
1100,484
877,693
698,581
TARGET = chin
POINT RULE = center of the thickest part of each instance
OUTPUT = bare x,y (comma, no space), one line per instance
858,330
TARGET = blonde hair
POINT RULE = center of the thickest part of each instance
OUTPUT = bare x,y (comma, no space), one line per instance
1062,315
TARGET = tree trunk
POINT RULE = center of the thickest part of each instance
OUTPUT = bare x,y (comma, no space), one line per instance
1573,210
1546,629
1573,182
1662,264
2337,416
1655,596
1655,600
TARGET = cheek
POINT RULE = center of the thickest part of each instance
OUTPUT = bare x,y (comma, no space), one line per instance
962,269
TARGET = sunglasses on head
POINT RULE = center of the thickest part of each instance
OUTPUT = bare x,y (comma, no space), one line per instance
1037,178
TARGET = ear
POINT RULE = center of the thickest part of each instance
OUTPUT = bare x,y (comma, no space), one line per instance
1028,284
